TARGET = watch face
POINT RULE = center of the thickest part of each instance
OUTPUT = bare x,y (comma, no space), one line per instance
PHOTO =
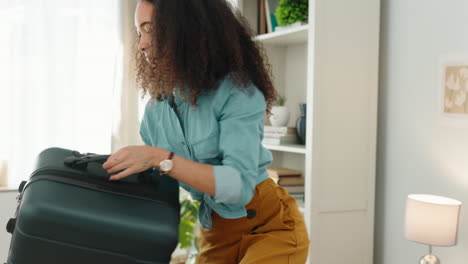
165,165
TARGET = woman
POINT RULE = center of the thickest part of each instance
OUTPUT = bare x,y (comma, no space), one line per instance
210,90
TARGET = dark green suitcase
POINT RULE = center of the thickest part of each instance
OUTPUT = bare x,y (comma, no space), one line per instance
69,213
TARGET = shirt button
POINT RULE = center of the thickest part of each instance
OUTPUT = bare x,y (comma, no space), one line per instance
181,111
212,151
183,142
251,213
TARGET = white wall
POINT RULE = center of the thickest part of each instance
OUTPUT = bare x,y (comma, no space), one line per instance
416,153
7,211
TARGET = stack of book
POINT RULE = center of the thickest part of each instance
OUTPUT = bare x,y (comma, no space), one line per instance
267,21
279,135
291,180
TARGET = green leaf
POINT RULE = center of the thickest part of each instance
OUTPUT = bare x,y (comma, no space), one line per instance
189,215
186,233
289,11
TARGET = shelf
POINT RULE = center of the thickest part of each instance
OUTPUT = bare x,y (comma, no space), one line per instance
287,148
286,37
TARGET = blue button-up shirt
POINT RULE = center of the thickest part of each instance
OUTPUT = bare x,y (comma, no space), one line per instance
226,131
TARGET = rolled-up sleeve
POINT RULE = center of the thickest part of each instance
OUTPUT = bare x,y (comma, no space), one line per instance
240,123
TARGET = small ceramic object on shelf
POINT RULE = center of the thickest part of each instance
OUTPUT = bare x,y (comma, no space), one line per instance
279,116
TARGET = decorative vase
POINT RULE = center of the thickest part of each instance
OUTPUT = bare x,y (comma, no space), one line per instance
301,123
280,116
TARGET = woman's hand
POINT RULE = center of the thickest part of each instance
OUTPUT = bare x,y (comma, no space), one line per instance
132,159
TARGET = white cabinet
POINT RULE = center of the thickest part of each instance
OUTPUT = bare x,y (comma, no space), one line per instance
332,65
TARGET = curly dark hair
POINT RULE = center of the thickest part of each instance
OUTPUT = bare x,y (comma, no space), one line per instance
198,43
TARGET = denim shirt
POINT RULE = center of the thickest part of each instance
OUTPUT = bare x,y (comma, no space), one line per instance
226,131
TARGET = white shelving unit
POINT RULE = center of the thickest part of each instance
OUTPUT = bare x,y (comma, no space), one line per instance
286,37
287,148
331,64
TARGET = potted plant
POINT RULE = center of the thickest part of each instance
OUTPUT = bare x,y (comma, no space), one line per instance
187,232
292,13
279,113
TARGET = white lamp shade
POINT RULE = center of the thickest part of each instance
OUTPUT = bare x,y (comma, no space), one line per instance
431,219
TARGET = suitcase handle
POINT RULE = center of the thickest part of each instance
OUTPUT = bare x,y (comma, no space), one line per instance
82,161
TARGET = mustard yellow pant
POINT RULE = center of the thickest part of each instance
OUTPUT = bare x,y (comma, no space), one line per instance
272,233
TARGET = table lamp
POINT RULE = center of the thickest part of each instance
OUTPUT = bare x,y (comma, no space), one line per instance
431,220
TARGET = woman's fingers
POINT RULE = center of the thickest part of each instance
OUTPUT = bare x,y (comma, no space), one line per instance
112,161
127,161
118,167
123,174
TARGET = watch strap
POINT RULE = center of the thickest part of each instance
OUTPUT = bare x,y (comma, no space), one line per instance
171,155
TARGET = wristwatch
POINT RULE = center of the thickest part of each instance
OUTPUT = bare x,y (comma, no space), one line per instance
166,164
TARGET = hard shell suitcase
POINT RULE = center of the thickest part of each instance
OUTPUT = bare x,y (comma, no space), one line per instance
69,213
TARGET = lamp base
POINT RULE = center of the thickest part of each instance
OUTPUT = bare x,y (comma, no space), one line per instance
429,259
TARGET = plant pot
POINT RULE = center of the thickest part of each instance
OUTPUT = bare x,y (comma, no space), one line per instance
279,116
290,26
